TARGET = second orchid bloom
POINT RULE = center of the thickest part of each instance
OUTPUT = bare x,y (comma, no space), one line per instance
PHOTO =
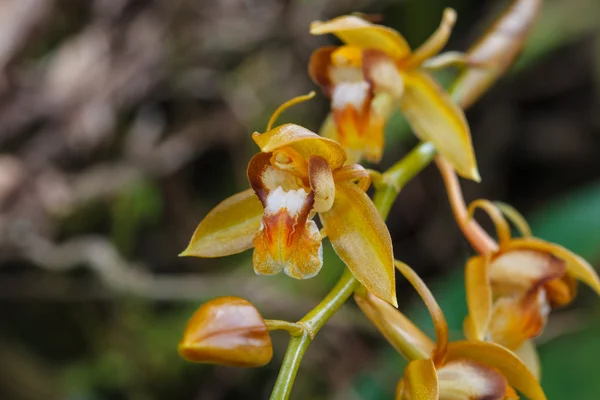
296,175
376,69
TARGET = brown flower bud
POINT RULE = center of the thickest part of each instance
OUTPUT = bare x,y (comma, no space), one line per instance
227,331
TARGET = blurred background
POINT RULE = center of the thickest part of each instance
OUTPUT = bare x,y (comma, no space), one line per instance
123,122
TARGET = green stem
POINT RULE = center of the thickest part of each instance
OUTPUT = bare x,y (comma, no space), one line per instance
385,195
400,174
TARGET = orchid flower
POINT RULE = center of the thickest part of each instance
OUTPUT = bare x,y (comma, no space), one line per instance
374,69
442,369
511,291
296,175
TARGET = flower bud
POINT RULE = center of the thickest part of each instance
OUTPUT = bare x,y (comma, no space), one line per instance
228,331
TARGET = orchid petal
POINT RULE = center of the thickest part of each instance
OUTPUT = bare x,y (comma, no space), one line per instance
358,32
300,139
383,73
466,379
522,270
439,321
436,41
228,228
399,331
420,381
479,295
354,173
517,319
494,355
576,266
529,355
321,182
435,118
361,239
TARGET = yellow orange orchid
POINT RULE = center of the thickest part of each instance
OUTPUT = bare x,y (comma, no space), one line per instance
511,290
376,68
447,370
297,174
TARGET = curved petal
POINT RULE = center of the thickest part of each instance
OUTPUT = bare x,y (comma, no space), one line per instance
523,270
420,381
319,66
493,54
436,41
228,228
358,32
561,292
502,227
361,239
529,355
435,118
354,173
439,321
467,379
399,331
576,266
494,355
479,295
382,72
303,141
321,182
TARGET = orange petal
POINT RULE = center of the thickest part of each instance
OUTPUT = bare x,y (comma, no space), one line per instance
435,118
399,331
303,141
287,240
523,270
561,292
361,239
517,319
576,266
436,41
529,355
502,227
467,379
479,295
229,228
420,381
357,32
496,356
439,321
228,331
321,182
319,68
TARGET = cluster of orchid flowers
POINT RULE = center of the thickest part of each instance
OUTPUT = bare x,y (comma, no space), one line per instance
512,284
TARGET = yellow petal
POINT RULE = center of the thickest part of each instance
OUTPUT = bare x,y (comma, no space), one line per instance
479,295
436,41
321,182
496,356
502,227
303,141
420,381
399,331
354,173
561,292
383,73
576,266
355,31
439,321
529,355
523,270
228,331
466,380
435,118
229,228
319,67
361,239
